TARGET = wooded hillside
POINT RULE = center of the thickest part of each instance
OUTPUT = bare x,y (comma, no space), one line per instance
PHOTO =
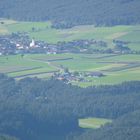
35,109
67,13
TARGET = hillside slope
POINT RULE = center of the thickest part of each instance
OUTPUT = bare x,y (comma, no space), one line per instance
65,13
124,128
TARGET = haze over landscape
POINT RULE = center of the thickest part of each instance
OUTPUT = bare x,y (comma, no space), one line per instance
69,70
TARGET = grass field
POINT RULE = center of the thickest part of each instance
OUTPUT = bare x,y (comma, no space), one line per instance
43,31
93,123
16,66
116,68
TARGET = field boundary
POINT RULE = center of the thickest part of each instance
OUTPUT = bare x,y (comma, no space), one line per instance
35,68
32,74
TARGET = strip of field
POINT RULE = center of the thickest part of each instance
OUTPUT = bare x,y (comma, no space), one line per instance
21,69
116,68
34,74
56,59
11,69
15,66
122,68
101,57
93,123
31,72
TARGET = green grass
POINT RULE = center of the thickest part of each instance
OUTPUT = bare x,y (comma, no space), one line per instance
17,66
116,69
93,123
32,71
123,58
113,78
133,35
27,26
80,65
43,31
134,46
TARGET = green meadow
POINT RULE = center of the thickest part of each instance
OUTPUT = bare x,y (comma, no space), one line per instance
93,123
16,66
116,69
44,31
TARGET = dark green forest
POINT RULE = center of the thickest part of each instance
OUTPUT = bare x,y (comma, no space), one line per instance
126,127
36,109
68,13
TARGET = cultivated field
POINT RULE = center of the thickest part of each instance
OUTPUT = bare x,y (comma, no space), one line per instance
93,123
18,67
116,68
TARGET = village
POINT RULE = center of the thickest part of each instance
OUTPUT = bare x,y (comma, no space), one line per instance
20,43
68,77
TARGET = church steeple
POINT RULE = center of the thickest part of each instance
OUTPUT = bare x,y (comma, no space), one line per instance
32,44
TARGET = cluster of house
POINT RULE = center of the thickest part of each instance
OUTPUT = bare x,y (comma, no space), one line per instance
18,43
63,47
121,46
69,77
